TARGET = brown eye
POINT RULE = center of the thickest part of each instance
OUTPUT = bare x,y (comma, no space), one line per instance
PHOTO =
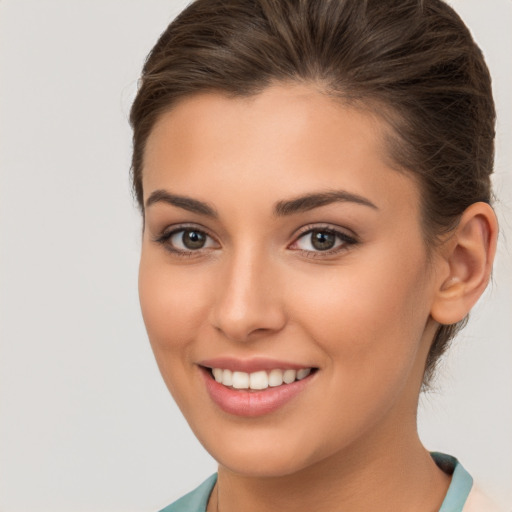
192,239
187,240
322,240
318,240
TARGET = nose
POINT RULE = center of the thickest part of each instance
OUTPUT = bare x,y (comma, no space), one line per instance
248,303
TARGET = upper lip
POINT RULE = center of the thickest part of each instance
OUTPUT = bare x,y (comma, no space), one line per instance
253,364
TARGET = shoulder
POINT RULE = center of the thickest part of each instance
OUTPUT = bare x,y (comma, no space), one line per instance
479,502
194,501
463,495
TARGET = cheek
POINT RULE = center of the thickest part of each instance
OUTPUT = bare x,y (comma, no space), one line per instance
172,304
369,316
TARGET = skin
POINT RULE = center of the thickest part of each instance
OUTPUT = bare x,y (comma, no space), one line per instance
363,315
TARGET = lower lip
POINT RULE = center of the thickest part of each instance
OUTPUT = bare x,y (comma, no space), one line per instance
252,403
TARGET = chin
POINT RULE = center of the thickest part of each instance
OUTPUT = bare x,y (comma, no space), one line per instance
265,453
263,465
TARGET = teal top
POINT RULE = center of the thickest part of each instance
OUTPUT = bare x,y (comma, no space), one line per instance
454,500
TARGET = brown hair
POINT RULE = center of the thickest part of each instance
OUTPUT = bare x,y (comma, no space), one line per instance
413,62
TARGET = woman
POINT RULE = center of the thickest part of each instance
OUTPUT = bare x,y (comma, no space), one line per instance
314,178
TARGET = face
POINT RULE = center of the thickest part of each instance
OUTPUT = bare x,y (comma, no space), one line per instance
280,244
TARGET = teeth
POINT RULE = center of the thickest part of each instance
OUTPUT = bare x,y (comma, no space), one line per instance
303,373
259,380
275,378
240,380
289,376
227,377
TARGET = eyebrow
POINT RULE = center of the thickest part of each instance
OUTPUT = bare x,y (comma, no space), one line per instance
315,200
184,202
299,204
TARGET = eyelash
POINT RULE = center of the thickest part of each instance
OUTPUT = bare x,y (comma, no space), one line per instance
346,241
165,237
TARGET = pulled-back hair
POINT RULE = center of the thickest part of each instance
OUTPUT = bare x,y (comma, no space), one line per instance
412,62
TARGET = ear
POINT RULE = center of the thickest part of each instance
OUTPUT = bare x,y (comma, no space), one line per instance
466,264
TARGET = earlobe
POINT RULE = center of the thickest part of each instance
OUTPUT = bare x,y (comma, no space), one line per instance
468,255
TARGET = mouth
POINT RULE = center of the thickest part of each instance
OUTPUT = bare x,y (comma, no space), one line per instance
257,392
259,380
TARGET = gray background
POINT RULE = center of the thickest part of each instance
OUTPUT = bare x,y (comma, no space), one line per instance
86,423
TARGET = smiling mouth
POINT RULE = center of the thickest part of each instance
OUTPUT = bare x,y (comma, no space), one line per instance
259,380
261,391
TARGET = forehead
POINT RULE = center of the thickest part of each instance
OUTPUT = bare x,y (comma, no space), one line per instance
284,141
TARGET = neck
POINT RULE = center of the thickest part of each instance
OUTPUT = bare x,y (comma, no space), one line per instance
400,476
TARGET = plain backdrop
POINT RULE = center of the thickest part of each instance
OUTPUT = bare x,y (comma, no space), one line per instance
86,424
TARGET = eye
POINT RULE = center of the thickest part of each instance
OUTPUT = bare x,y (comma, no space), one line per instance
186,240
189,239
323,240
